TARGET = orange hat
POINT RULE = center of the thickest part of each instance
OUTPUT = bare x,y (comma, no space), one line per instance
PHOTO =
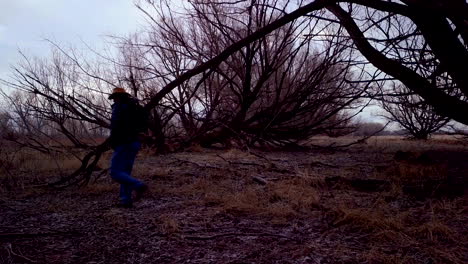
118,91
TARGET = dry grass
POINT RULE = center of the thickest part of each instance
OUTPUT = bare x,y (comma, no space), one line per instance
281,199
114,218
98,188
58,205
23,168
33,161
377,256
404,172
378,217
389,226
237,154
395,143
434,231
386,144
167,224
374,220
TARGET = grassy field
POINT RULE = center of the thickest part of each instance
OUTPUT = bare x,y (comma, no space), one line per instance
388,200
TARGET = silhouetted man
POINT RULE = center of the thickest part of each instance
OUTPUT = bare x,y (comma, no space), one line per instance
124,140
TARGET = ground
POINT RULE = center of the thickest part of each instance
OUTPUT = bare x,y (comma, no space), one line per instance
388,200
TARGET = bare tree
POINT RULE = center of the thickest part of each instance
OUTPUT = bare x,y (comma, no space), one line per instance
416,117
282,87
433,31
56,96
422,44
59,104
5,125
368,129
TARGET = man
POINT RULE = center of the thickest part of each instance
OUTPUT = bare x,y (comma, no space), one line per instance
124,140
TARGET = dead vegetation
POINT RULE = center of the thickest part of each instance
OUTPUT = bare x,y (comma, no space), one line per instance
233,206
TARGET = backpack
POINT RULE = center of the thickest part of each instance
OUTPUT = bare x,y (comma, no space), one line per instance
140,117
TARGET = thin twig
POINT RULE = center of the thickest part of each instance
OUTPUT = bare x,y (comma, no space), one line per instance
235,234
41,234
240,162
318,163
198,164
9,248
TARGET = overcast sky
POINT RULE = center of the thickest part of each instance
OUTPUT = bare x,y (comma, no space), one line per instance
24,24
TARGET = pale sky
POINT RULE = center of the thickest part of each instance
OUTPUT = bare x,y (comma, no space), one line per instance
24,24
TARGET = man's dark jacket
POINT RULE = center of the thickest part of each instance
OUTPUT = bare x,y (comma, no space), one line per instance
123,128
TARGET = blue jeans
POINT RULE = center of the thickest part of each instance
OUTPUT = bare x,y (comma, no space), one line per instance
121,169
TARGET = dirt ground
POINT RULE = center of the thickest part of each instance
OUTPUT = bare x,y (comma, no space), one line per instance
385,201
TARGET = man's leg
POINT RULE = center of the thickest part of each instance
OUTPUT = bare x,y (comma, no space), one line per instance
121,165
131,153
125,194
140,188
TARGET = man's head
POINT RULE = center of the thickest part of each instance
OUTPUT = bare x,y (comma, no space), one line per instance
118,94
